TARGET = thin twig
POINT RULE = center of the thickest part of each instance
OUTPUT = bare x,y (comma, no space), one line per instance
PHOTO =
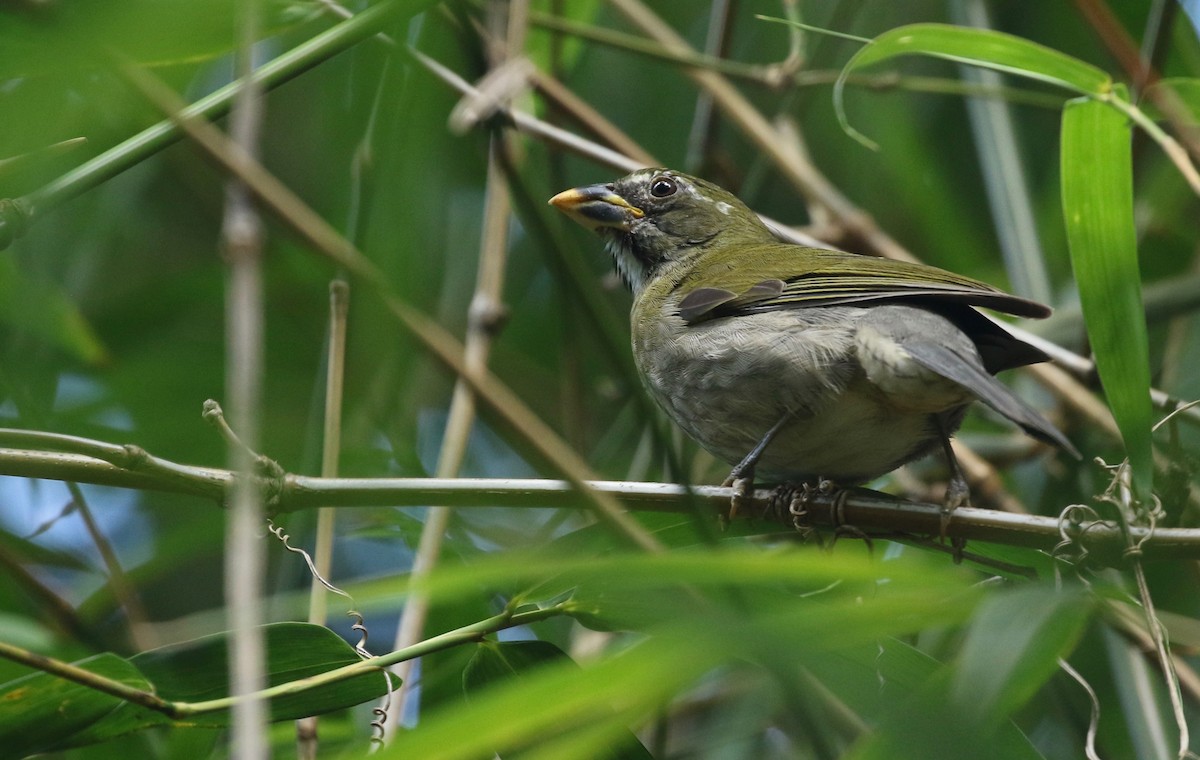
858,507
57,611
331,440
485,318
803,175
986,486
15,214
1094,715
575,107
280,200
1162,652
702,119
785,74
245,561
1132,622
125,592
562,139
86,678
149,700
1140,71
339,300
1120,495
1004,174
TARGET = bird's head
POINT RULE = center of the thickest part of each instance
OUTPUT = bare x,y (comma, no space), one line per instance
657,217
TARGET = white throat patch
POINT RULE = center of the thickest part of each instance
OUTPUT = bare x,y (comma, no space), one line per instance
629,267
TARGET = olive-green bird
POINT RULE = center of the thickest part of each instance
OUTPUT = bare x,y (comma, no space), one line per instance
799,363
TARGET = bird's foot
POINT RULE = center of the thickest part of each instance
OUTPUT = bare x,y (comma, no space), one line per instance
958,494
742,482
742,476
792,502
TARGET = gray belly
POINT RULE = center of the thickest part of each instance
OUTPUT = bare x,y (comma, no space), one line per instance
726,382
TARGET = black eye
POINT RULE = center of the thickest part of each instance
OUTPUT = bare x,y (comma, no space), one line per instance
661,187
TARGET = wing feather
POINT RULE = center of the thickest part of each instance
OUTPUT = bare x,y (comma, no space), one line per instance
807,277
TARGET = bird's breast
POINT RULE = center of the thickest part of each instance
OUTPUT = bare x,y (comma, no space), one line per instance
727,381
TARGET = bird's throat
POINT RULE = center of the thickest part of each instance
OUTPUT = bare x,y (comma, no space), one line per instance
633,270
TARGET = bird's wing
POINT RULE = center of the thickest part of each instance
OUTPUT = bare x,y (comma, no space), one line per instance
987,389
805,277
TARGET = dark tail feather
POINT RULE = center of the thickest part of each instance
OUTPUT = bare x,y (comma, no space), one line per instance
990,391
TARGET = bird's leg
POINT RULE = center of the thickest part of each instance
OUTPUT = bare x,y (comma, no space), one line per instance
958,492
742,475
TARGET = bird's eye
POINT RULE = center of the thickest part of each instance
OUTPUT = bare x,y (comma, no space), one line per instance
661,187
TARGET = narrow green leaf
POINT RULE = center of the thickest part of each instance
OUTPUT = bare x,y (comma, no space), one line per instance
40,712
541,47
192,671
978,47
585,743
495,661
636,573
1142,703
1002,665
498,662
558,700
145,31
906,694
1097,192
926,722
197,671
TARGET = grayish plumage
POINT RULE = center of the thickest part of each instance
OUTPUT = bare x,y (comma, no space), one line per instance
870,362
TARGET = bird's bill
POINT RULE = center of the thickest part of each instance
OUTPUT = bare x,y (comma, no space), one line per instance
597,206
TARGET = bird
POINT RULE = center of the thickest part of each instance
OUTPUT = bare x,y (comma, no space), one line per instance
798,364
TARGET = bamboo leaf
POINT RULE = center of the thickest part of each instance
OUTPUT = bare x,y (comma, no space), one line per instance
40,712
921,715
198,670
559,699
1001,666
500,662
1097,196
497,661
978,47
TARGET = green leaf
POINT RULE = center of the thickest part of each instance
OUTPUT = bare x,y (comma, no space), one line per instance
498,662
40,712
1001,665
743,566
1097,197
557,701
45,712
926,723
43,311
548,49
978,47
495,661
197,671
1142,699
155,32
905,693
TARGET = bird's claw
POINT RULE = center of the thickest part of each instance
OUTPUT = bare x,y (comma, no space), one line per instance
958,493
742,488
